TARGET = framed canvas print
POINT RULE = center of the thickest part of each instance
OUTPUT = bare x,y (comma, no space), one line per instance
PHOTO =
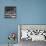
10,12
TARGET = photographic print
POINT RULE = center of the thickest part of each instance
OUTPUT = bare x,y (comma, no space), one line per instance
10,12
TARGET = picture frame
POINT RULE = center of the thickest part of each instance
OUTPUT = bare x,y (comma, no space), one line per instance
38,30
10,12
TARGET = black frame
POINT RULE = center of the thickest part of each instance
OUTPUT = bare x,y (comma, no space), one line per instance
10,12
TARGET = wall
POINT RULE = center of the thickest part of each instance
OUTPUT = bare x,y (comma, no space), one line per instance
33,11
6,25
28,12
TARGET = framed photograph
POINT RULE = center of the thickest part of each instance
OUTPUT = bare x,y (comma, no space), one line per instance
32,32
10,12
